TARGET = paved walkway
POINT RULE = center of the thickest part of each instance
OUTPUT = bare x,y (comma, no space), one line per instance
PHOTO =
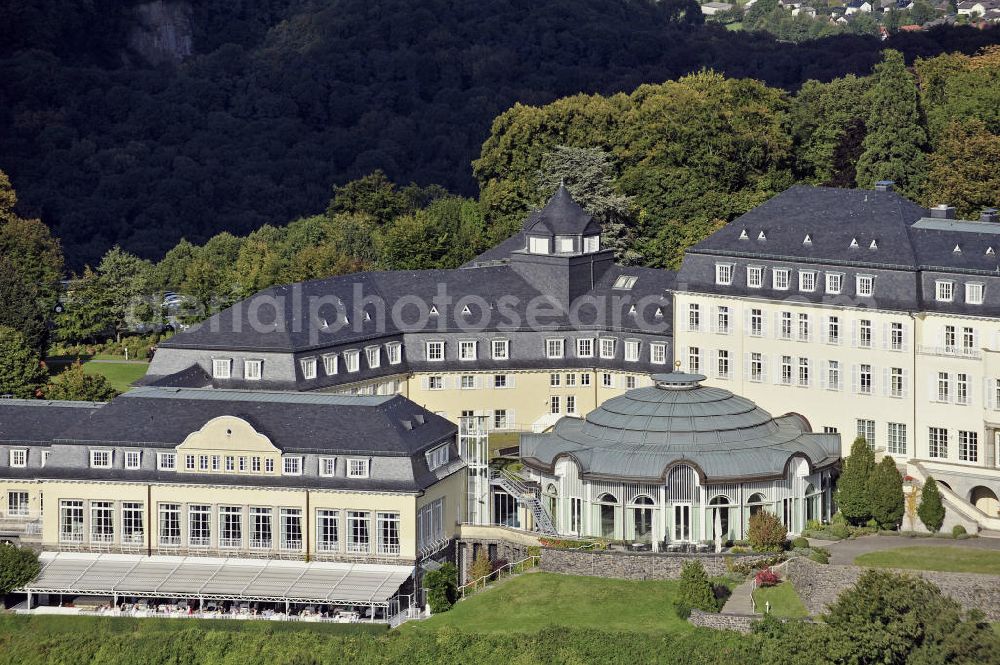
739,602
843,552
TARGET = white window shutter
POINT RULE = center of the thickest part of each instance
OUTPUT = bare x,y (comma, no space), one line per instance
777,324
885,335
763,368
746,366
906,338
988,395
511,380
855,379
823,377
511,419
776,377
906,382
746,321
424,382
932,387
824,330
854,334
886,379
763,324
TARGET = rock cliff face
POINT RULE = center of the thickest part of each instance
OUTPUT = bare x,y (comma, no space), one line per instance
163,31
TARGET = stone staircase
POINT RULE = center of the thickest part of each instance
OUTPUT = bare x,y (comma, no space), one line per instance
526,497
965,512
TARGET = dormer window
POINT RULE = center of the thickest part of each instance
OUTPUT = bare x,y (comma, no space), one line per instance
834,282
974,293
352,358
394,352
779,279
291,466
807,281
168,461
252,369
501,349
438,457
327,466
608,348
554,348
330,364
357,468
133,459
865,285
435,351
944,290
724,273
373,354
625,282
565,244
467,350
308,368
19,457
755,277
100,459
591,244
538,245
222,368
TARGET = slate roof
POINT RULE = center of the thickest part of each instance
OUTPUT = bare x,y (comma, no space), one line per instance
305,422
641,434
561,216
37,421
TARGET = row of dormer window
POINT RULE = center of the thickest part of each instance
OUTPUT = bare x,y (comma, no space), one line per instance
808,280
291,465
253,369
944,291
555,348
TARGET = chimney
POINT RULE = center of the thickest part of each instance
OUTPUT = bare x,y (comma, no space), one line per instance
989,215
885,186
943,211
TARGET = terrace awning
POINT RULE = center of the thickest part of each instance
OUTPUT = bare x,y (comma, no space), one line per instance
266,580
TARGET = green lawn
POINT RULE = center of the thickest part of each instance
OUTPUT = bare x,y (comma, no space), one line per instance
946,559
121,375
533,601
784,601
500,440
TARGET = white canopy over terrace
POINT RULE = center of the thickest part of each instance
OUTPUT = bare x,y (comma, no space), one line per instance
207,578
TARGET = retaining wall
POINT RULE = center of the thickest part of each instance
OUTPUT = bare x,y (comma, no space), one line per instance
635,565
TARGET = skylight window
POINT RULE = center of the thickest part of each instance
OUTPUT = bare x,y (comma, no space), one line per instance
808,240
854,243
761,236
873,245
743,235
625,282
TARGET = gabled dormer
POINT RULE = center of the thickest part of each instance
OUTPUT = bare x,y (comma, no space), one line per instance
562,227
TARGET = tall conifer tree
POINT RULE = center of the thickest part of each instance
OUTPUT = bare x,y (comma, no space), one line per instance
853,486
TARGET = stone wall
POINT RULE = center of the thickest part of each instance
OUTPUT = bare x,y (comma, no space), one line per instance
818,586
738,622
497,548
635,565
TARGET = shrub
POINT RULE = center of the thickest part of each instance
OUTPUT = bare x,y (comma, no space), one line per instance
814,525
887,495
695,588
930,511
767,577
747,567
740,549
853,486
958,530
819,555
441,585
18,566
766,532
481,566
800,543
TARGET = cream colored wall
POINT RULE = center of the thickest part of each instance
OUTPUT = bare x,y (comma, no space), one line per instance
232,436
841,409
454,489
527,399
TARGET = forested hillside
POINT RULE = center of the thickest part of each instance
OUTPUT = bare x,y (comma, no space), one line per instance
281,99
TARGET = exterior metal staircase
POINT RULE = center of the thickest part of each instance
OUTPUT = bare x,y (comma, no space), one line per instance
526,497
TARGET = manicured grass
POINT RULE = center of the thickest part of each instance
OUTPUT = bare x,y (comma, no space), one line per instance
533,601
946,559
785,603
500,440
121,375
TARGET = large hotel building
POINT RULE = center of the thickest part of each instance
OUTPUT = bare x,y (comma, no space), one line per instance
310,422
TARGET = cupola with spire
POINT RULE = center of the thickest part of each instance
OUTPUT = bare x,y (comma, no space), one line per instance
562,227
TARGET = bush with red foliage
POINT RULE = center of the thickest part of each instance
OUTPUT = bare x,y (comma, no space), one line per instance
767,577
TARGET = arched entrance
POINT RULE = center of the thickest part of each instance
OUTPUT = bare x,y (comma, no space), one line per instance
642,519
718,517
608,506
756,503
985,500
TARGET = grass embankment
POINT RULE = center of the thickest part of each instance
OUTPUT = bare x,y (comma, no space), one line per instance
785,603
943,559
121,374
531,602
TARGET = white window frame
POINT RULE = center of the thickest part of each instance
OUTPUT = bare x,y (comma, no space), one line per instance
222,368
500,349
331,363
624,282
162,463
373,356
358,467
102,451
555,348
974,293
327,467
352,360
309,370
434,350
438,457
133,459
807,281
431,381
632,349
253,370
724,274
394,352
291,465
755,277
864,285
944,290
780,279
18,458
608,347
538,245
834,283
585,347
657,353
467,350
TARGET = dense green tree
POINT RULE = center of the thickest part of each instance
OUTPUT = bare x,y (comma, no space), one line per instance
854,496
828,127
957,88
963,169
442,586
87,310
127,282
931,510
589,175
894,146
887,494
695,590
73,384
172,268
20,303
18,566
21,370
208,278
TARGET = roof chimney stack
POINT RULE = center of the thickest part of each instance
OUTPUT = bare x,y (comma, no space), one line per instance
885,186
943,211
989,215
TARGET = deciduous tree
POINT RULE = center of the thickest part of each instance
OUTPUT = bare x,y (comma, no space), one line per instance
21,370
73,384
